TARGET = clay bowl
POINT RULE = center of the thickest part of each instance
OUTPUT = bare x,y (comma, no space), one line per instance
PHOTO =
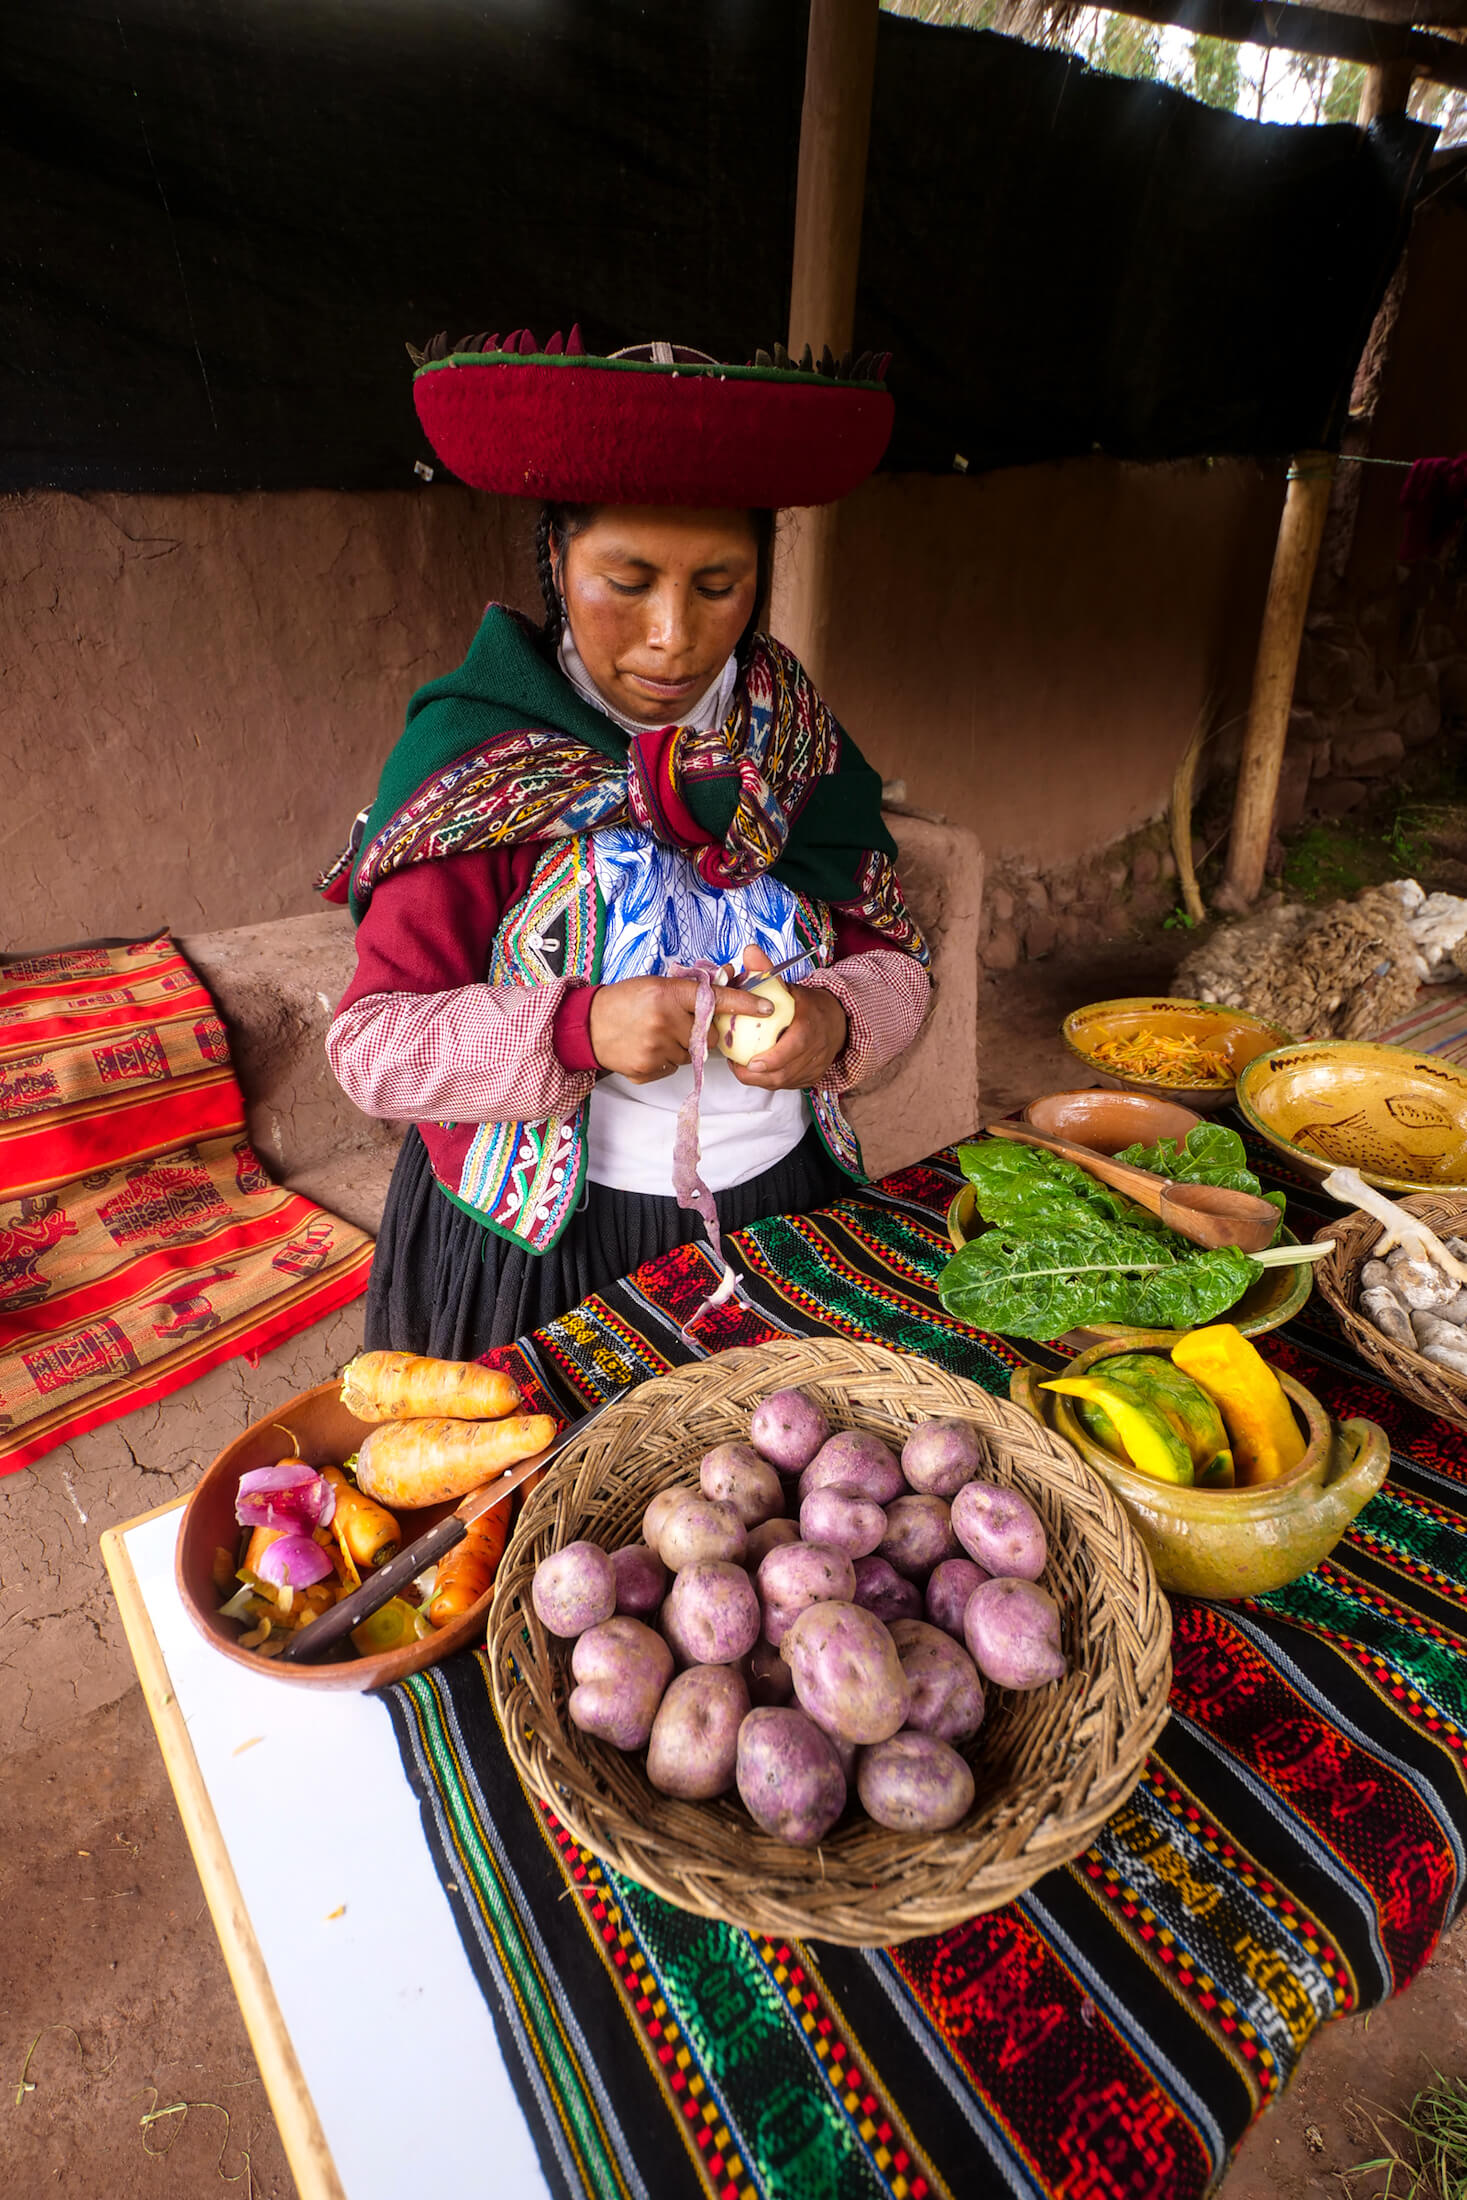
1397,1117
327,1434
1228,1543
1108,1121
1238,1036
1275,1299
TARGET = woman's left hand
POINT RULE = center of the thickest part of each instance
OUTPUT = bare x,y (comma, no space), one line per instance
805,1049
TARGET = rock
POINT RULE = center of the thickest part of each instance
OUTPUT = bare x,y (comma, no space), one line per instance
1145,867
1453,688
1418,679
1040,935
1322,760
1329,674
1061,892
1294,774
1002,951
1001,902
1368,755
1168,864
1420,721
1075,930
1116,876
1036,897
1333,797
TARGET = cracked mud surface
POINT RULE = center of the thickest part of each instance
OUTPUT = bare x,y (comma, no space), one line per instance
117,1944
106,1930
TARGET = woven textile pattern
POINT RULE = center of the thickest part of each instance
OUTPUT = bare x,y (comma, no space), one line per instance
141,1242
1293,1852
777,742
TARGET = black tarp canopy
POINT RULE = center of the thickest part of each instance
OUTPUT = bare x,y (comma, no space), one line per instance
222,219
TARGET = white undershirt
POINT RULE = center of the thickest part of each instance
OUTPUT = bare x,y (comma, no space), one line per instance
659,911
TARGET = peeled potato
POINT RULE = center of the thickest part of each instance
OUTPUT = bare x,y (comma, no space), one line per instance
741,1038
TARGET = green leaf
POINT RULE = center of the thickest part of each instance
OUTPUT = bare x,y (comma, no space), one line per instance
1022,1189
1210,1154
1041,1286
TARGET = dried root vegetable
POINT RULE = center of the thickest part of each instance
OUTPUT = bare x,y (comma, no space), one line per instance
402,1386
405,1464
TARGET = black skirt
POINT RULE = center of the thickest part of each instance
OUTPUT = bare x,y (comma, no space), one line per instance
443,1284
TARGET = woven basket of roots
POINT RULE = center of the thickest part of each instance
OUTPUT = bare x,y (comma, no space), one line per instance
1050,1765
1338,1277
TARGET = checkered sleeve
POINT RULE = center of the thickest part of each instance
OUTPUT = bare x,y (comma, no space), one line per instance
474,1054
885,996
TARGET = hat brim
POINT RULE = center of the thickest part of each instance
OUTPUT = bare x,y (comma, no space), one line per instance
628,432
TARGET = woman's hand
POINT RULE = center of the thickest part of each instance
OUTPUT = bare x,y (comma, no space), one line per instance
805,1049
641,1027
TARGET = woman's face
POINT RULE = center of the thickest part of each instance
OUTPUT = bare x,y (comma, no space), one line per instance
655,600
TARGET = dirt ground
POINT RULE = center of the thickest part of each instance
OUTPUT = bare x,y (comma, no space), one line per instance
109,1962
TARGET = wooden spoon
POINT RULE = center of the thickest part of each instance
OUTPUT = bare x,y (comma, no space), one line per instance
1207,1214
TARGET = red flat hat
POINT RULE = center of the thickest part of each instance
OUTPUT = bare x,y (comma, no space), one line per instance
657,425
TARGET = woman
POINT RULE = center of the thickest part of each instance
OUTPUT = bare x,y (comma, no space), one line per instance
581,812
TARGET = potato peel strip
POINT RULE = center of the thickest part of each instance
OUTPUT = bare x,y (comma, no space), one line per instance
688,1185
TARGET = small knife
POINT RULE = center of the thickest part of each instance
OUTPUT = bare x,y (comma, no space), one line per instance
415,1558
742,976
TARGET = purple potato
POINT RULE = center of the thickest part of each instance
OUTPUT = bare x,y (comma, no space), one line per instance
701,1530
947,1694
794,1575
736,1475
764,1538
914,1783
641,1580
848,1676
855,1461
693,1752
574,1589
787,1429
712,1612
841,1518
940,1456
919,1535
1012,1630
1000,1529
621,1669
949,1587
770,1679
882,1590
789,1776
659,1507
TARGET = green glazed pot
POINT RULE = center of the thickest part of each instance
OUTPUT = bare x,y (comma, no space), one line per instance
1228,1543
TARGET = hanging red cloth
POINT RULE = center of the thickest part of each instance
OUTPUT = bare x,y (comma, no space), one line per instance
1433,507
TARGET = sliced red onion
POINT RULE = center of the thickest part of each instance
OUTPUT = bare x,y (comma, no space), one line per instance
290,1495
294,1562
687,1183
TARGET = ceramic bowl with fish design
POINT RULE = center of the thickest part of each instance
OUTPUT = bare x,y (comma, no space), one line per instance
1399,1118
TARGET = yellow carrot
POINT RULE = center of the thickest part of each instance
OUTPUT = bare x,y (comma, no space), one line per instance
410,1463
401,1386
470,1567
366,1528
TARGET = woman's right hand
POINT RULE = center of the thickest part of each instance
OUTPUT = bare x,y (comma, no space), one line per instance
641,1027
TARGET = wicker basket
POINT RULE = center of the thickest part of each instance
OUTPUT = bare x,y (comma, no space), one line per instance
1051,1765
1338,1277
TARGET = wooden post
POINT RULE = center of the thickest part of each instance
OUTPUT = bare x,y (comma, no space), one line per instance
1386,90
835,127
1295,555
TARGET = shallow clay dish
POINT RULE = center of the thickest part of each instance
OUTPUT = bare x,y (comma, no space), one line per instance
1275,1299
1228,1543
1107,1120
1237,1035
327,1434
1397,1117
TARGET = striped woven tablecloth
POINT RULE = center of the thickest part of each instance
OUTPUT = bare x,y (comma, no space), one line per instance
1293,1852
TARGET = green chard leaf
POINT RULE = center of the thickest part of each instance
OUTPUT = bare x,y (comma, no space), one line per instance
1019,1188
1210,1154
1041,1286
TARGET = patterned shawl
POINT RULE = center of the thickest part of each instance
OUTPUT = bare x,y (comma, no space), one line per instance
504,750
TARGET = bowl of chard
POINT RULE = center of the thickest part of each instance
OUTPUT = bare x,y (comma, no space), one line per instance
1043,1250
